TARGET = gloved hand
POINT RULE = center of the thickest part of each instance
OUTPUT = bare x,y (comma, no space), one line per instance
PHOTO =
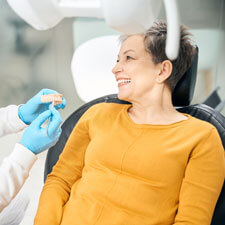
35,138
30,111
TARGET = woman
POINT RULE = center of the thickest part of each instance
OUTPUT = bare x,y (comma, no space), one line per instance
140,163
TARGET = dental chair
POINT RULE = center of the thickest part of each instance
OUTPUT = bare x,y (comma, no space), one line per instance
182,97
214,100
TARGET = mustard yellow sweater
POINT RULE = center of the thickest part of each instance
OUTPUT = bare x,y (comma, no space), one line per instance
115,172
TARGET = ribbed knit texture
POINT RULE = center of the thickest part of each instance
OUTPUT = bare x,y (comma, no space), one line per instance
115,172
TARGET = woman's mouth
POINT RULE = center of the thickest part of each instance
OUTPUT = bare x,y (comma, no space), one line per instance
122,82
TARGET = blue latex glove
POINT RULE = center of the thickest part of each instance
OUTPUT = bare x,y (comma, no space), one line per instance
30,111
35,138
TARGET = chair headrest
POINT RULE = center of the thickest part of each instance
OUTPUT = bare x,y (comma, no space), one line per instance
184,90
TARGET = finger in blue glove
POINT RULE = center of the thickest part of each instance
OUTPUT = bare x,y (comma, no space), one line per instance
55,121
34,137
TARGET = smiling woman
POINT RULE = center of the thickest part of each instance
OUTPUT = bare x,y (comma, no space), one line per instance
152,77
145,158
135,64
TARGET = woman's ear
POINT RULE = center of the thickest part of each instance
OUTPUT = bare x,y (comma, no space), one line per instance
165,71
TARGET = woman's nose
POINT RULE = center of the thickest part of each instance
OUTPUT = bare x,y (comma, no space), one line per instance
117,68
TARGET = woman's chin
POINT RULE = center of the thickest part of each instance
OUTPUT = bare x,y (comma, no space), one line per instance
123,96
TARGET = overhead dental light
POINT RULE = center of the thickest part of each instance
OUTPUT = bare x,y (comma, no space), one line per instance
126,16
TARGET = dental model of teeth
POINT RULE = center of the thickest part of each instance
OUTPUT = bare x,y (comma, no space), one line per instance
54,98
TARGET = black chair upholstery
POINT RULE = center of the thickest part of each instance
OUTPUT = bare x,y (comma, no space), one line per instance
182,96
184,90
214,100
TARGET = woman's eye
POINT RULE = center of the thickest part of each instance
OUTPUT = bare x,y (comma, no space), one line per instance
129,57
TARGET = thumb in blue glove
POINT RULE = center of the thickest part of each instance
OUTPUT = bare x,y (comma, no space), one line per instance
30,111
34,137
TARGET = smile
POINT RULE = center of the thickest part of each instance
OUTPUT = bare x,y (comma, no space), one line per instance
122,82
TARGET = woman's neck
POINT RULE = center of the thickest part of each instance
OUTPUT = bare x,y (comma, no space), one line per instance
157,109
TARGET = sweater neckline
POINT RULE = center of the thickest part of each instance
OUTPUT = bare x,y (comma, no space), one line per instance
156,126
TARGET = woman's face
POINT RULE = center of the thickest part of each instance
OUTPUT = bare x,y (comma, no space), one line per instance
135,72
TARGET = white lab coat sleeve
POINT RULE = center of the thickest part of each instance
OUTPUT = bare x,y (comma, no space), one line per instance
10,121
13,172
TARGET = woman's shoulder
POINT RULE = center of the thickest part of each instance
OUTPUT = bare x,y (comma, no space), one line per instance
105,107
199,122
201,126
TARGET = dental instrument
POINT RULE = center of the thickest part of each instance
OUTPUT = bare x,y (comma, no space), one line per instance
125,16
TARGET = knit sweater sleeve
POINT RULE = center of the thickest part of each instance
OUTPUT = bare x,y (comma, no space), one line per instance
201,186
66,172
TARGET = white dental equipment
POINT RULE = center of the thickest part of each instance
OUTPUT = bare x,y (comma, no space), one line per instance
126,16
96,79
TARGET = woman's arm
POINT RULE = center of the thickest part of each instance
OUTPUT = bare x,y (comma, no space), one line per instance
201,186
65,173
